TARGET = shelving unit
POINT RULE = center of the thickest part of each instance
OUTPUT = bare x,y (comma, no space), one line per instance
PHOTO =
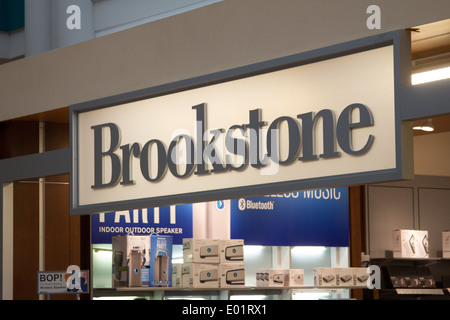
259,257
438,268
282,293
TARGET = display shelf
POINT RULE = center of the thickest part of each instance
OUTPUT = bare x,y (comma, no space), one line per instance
158,293
410,259
409,278
420,291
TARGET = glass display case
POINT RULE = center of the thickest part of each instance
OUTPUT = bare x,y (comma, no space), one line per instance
255,258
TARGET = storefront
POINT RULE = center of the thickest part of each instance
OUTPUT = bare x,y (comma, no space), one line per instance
308,156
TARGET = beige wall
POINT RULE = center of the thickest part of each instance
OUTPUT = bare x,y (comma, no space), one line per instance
228,34
432,154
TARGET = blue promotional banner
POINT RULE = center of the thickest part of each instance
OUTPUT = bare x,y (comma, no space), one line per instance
175,221
307,218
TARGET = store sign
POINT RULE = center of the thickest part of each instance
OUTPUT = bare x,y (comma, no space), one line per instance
121,156
175,221
306,218
310,218
73,280
313,125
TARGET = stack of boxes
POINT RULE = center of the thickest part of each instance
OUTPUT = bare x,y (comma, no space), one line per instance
341,277
200,263
141,261
213,263
231,264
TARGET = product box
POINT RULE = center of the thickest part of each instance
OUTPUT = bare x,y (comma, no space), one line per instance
130,261
200,275
344,277
201,250
275,278
360,277
232,275
410,244
177,275
425,277
325,277
270,277
446,244
262,278
403,276
160,261
231,250
294,277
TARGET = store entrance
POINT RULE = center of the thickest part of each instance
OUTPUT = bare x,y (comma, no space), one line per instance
299,231
42,224
38,232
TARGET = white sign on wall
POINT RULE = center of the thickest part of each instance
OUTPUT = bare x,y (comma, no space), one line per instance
73,280
324,120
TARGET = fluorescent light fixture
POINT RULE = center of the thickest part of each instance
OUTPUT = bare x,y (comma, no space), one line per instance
426,125
248,297
311,295
251,249
103,254
116,298
185,298
308,251
177,260
428,76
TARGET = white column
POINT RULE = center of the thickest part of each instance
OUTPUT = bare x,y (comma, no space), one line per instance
64,14
38,26
8,240
41,206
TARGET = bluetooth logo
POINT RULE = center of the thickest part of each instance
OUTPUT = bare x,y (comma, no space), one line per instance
241,204
220,204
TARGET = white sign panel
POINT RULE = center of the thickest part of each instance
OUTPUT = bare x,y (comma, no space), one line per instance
73,280
331,118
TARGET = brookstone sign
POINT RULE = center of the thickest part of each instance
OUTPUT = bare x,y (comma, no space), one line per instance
315,124
204,156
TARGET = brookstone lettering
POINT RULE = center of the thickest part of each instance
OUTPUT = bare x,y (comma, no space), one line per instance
203,156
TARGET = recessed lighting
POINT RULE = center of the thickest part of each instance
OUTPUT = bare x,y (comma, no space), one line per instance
426,125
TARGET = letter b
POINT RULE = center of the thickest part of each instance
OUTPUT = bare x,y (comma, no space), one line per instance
99,155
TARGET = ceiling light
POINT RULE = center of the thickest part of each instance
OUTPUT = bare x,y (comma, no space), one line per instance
428,76
305,250
426,125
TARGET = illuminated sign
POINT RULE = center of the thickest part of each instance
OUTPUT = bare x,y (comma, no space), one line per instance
326,123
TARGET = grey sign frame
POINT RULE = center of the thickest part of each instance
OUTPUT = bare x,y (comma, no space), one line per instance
401,42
